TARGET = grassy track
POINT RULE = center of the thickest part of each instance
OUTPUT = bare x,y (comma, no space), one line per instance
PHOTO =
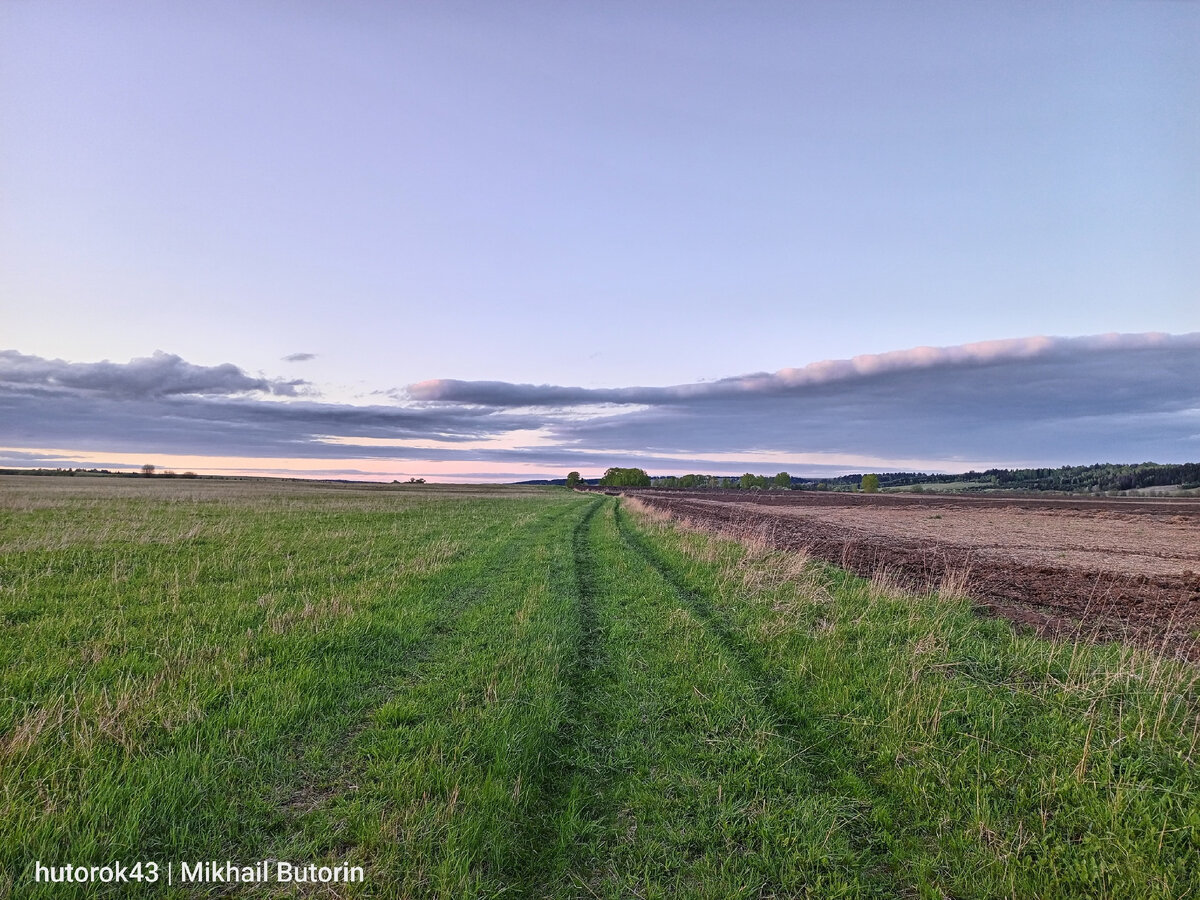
542,694
688,783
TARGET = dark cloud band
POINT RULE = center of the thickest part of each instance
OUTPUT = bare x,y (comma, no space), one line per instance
1038,401
160,375
993,356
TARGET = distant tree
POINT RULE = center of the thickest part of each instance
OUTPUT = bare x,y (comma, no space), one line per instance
572,479
870,484
746,481
618,477
148,469
783,480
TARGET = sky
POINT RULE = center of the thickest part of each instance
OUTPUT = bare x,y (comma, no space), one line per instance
470,241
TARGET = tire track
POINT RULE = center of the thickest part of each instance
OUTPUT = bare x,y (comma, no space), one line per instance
585,586
548,843
802,731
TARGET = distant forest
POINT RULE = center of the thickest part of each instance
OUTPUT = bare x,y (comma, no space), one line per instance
1087,479
1097,478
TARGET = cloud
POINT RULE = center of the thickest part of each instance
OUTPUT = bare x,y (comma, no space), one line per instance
299,357
35,416
1036,401
1032,401
976,357
160,375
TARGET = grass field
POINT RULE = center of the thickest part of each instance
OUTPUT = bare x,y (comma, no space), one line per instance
535,693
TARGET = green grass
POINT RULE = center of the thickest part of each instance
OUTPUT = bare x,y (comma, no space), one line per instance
991,764
946,487
534,693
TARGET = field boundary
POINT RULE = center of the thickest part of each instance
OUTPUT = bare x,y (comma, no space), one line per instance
1157,613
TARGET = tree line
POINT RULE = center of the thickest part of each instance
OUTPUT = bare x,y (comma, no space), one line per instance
634,477
1096,478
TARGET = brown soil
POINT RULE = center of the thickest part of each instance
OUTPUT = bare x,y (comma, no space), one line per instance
1108,569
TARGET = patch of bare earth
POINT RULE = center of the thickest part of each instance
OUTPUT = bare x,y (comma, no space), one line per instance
1108,569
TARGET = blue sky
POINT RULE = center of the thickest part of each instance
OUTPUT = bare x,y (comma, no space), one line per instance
602,196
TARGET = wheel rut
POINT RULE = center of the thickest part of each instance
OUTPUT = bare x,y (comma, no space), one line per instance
791,724
548,845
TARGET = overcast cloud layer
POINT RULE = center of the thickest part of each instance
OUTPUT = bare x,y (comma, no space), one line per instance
160,375
1034,401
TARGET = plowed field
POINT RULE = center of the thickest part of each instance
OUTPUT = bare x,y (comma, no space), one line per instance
1111,569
